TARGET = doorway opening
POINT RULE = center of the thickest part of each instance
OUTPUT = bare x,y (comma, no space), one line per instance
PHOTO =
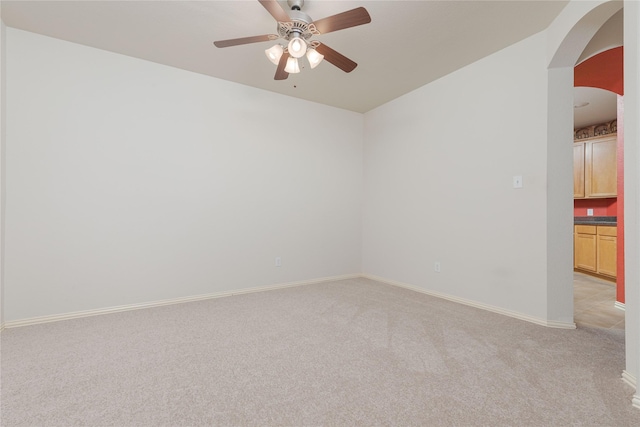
598,179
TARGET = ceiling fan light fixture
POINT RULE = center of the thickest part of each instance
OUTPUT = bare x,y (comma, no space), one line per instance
314,57
296,30
297,47
274,53
292,66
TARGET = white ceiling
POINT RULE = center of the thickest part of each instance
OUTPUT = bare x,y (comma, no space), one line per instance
407,45
601,106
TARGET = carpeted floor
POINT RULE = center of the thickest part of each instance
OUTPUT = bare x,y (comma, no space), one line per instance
354,352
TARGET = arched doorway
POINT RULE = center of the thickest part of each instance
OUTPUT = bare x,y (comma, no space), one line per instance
568,36
598,119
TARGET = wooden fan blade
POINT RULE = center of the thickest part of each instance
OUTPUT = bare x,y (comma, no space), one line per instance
337,59
348,19
281,74
245,40
274,8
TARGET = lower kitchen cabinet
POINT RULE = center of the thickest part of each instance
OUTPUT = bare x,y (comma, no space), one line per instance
595,249
607,251
584,249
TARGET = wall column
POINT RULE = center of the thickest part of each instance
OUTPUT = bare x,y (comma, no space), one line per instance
2,163
560,195
632,192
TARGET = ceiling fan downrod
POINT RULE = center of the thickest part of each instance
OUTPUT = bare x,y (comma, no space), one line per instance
295,4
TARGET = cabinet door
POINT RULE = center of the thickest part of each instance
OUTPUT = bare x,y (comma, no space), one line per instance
601,170
585,251
578,171
607,251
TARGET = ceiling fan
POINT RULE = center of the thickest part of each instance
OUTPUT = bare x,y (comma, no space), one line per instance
297,28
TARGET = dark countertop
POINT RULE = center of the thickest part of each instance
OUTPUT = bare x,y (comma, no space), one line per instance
595,220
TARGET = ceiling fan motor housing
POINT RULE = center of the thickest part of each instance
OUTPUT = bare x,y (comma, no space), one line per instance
300,20
301,24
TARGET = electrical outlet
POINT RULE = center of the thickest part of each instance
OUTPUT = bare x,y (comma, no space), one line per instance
278,261
589,212
436,267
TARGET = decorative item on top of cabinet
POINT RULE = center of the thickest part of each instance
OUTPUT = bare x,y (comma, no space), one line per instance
595,163
596,130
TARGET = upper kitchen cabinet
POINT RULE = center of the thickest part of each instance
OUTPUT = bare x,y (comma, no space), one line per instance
595,166
578,171
601,168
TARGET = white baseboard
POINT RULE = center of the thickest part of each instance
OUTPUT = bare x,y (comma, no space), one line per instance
619,305
180,300
629,379
498,310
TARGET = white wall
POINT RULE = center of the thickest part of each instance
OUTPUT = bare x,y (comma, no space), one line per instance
439,164
632,190
2,163
130,182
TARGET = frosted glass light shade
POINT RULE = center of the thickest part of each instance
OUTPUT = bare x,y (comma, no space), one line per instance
314,57
292,66
297,47
274,53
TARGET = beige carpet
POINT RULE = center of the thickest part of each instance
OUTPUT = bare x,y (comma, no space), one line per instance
353,352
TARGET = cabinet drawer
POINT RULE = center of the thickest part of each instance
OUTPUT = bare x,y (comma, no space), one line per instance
607,230
585,229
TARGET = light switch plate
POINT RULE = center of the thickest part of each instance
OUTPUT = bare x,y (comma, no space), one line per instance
589,212
517,181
